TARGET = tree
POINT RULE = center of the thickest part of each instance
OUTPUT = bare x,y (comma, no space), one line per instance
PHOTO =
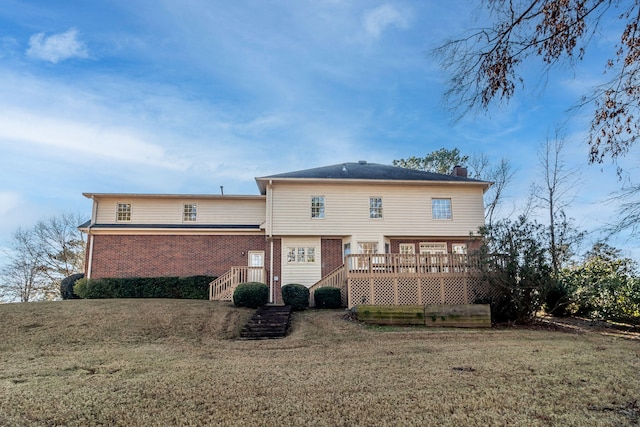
605,285
554,196
484,64
40,257
514,259
23,276
439,161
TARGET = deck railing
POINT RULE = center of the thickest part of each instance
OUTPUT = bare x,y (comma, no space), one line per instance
222,288
372,265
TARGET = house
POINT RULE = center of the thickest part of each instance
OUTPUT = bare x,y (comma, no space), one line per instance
310,227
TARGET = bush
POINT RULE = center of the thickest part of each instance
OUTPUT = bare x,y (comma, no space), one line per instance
327,297
295,295
558,299
251,294
66,286
80,287
192,287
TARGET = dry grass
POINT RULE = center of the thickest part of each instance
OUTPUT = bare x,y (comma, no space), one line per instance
167,362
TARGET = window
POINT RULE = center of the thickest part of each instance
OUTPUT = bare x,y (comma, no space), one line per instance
459,248
301,255
124,212
441,208
189,212
368,247
375,207
317,206
433,247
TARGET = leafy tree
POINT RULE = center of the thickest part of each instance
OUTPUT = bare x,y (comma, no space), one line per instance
485,64
40,257
439,161
605,285
514,260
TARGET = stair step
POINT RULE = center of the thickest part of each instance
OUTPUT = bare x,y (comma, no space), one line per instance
268,322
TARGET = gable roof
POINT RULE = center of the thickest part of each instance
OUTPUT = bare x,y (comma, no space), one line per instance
367,171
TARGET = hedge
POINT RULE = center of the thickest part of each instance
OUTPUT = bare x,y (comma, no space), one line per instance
295,295
191,287
328,297
251,294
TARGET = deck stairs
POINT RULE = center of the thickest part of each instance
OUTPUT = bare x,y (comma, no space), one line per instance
268,322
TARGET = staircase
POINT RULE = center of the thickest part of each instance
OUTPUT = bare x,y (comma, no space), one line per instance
268,322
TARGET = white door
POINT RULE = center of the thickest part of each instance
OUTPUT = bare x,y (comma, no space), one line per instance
407,262
256,259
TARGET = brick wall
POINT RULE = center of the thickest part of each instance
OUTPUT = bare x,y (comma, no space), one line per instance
171,255
331,255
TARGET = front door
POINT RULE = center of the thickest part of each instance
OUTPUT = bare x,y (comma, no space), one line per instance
256,261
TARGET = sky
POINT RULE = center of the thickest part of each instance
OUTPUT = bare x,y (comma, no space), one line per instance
185,96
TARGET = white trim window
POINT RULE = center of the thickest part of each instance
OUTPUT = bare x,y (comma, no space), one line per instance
375,207
441,208
123,212
367,247
459,248
317,207
189,212
301,255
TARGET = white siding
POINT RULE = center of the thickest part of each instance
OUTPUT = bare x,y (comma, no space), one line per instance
406,210
306,273
148,210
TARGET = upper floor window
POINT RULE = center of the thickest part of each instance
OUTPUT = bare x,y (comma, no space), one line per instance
317,206
375,207
441,208
123,212
189,212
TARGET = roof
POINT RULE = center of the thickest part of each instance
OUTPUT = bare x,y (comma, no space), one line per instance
367,171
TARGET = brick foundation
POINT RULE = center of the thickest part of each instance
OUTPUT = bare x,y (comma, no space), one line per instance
171,255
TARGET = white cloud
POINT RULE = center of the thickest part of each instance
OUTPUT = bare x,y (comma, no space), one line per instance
9,201
378,19
57,47
79,138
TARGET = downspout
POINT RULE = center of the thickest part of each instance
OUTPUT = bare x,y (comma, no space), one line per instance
93,221
270,236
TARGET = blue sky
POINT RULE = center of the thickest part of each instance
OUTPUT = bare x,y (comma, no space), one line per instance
183,96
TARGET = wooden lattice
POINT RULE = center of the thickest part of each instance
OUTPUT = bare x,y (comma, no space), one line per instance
408,291
455,290
431,290
384,292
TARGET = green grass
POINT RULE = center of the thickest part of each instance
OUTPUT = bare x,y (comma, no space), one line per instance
176,362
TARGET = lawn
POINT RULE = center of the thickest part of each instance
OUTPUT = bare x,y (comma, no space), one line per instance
177,362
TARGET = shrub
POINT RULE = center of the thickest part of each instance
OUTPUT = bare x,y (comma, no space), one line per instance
327,297
66,286
192,287
295,295
251,294
80,287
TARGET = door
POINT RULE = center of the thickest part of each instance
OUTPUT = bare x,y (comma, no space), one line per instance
407,258
256,262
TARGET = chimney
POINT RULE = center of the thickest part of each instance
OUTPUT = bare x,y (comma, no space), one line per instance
459,171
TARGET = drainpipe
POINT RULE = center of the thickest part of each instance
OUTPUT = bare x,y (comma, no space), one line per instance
270,236
271,290
90,238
